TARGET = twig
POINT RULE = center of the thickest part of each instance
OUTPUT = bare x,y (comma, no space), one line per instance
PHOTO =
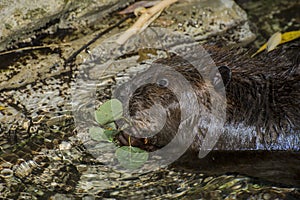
145,20
33,48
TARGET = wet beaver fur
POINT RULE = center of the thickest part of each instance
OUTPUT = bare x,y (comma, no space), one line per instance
262,113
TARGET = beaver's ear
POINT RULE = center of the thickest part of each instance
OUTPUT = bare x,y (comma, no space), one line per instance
221,78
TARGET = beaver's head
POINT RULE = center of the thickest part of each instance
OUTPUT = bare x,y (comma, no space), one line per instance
171,95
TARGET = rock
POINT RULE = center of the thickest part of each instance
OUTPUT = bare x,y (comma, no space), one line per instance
20,20
204,19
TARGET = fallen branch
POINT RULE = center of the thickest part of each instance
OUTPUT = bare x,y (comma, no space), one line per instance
148,16
34,48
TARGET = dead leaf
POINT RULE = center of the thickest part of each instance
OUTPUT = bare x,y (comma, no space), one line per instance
274,41
289,36
2,108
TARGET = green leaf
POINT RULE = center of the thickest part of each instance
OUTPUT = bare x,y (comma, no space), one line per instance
98,134
111,126
131,157
110,134
111,131
109,111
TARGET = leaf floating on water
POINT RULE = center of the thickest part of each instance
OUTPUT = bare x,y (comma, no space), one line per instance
97,134
131,157
109,111
274,41
285,37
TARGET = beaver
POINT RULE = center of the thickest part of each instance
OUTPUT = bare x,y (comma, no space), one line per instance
262,97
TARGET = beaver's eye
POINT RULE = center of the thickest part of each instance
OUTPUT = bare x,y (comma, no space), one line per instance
162,82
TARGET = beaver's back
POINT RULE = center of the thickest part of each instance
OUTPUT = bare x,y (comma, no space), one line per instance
263,100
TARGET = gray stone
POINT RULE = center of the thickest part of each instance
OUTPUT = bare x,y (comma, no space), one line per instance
20,19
